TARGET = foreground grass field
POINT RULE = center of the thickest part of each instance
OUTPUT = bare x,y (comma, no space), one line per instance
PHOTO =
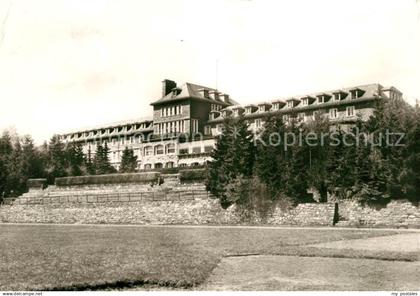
45,257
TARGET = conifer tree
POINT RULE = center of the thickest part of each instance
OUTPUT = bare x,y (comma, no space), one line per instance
101,160
32,159
270,165
75,159
128,161
243,150
221,167
6,149
57,165
89,163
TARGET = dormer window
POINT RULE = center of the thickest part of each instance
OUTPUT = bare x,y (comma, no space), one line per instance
290,104
356,93
321,100
341,95
305,102
204,92
236,112
337,96
276,106
261,109
248,110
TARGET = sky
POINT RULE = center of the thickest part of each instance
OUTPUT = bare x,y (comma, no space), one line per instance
67,64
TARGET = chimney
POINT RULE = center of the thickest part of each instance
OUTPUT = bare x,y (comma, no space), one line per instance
167,86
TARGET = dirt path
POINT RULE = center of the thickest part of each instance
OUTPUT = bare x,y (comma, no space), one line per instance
274,273
407,242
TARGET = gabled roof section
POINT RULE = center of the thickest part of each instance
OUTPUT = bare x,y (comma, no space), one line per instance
192,91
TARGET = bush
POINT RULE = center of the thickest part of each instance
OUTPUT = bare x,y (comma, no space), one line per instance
251,195
142,178
192,175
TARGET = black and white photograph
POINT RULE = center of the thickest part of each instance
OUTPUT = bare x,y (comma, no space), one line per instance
210,147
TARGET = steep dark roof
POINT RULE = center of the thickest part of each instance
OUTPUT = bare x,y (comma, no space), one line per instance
191,91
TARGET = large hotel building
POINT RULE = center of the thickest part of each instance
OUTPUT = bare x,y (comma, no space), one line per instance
170,138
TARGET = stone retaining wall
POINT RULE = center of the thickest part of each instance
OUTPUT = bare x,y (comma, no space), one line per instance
398,213
197,211
187,204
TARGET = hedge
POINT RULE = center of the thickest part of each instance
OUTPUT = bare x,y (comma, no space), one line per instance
150,177
192,175
36,183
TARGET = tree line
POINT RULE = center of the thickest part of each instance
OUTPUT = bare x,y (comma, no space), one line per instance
21,159
373,161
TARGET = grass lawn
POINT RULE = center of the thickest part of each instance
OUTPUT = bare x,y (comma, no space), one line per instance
40,257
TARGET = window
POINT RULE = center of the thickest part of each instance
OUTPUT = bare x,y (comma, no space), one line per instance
159,150
350,111
301,116
148,150
194,123
357,93
285,118
158,165
340,96
275,106
215,107
305,102
261,108
169,165
290,104
183,165
257,122
333,113
183,151
207,130
196,150
248,110
320,99
147,166
170,148
208,149
194,164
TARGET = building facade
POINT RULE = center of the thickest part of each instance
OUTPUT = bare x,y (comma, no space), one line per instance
187,119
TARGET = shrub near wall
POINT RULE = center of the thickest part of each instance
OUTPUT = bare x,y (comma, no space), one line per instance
141,178
192,176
